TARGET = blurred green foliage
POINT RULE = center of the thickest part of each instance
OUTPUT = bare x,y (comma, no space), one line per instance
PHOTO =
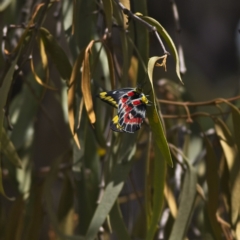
64,174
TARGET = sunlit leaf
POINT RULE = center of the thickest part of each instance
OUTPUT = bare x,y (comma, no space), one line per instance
67,13
110,66
126,4
38,79
86,84
4,4
169,196
71,94
168,40
154,119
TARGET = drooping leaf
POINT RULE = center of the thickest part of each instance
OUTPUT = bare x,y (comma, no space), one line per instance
15,219
187,200
4,4
233,161
126,4
158,195
118,224
38,79
57,54
37,211
67,14
169,196
66,200
1,186
71,94
154,119
113,188
108,10
236,122
86,84
10,151
116,181
168,40
5,83
213,188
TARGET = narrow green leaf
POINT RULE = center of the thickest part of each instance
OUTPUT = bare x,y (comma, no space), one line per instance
15,219
36,211
5,83
168,40
66,199
185,211
10,151
57,54
232,156
117,223
116,181
158,195
4,4
1,186
154,119
213,188
108,9
119,175
67,14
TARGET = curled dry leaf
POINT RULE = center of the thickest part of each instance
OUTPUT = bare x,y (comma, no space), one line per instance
86,84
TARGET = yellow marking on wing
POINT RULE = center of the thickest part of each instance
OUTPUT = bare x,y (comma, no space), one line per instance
115,119
102,94
144,99
108,99
118,126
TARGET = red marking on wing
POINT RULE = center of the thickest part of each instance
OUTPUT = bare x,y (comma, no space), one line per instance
131,93
124,99
129,119
136,102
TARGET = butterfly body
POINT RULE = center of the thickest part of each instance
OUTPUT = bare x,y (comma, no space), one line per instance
131,104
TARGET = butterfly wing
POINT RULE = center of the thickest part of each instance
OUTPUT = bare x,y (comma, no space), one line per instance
115,126
130,114
113,97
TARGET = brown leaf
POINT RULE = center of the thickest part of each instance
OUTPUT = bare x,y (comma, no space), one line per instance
86,84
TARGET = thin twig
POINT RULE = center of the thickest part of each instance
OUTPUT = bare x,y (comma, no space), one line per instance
150,27
182,65
204,103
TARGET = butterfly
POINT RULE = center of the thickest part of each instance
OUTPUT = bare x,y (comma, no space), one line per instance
131,104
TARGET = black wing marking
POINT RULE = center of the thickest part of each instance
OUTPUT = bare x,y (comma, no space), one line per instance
113,97
131,115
